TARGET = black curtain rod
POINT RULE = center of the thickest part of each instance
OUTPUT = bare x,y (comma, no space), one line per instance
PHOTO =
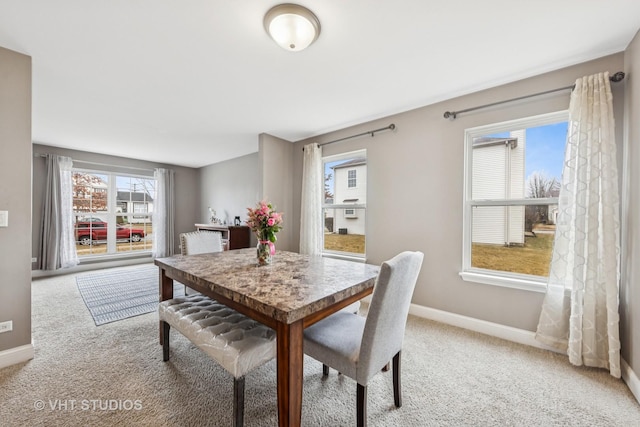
86,162
617,77
370,132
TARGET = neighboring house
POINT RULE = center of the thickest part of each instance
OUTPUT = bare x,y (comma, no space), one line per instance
350,187
137,203
329,214
498,173
552,214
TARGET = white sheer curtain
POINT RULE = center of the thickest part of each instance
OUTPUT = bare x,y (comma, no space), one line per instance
580,310
311,226
58,248
163,214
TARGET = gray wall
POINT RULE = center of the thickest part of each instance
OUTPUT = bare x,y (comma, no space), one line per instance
187,182
630,283
230,187
276,160
415,190
15,190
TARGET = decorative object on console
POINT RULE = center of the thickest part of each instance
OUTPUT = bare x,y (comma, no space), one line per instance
236,221
213,219
265,222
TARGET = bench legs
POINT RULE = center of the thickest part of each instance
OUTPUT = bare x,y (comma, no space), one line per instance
325,370
165,341
238,383
238,402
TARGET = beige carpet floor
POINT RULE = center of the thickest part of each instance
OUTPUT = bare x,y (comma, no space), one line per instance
113,375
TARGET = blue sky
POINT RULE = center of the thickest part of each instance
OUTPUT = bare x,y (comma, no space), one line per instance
545,149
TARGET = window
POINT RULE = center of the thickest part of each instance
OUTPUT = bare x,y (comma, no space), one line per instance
512,179
344,205
351,174
112,212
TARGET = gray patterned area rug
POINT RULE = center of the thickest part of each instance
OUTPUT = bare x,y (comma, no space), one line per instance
120,294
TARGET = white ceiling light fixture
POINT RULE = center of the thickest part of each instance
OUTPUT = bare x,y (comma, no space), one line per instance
292,26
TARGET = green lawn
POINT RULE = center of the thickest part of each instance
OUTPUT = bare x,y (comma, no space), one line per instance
532,258
353,243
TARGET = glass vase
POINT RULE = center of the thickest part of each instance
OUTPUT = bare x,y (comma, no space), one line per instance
264,253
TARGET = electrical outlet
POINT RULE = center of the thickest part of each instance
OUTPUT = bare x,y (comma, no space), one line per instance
4,218
34,259
6,326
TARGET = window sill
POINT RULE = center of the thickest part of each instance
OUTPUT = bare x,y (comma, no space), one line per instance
344,257
506,281
94,259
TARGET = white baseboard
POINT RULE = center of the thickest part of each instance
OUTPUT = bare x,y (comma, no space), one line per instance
488,328
510,334
630,378
16,355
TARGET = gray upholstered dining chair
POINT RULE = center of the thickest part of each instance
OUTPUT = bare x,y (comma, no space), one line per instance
360,347
200,242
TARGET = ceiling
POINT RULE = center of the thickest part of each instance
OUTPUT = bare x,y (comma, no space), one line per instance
194,83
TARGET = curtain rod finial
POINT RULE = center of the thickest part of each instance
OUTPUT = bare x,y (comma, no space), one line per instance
450,115
617,77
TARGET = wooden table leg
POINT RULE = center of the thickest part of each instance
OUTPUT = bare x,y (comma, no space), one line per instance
290,372
166,292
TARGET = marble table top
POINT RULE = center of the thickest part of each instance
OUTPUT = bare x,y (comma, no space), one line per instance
291,288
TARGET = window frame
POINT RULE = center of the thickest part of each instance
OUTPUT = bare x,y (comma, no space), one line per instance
354,205
111,213
497,277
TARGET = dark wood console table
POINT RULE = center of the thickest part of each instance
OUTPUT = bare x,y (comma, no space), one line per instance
235,236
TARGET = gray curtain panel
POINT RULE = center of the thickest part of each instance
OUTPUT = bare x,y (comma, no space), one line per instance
58,248
163,214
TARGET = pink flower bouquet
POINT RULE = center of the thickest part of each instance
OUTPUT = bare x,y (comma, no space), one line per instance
264,222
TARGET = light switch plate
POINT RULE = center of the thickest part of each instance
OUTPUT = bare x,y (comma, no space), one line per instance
4,218
6,326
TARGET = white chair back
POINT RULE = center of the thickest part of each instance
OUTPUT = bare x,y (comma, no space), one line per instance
200,242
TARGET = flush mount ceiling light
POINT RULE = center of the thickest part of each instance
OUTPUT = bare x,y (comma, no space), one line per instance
292,26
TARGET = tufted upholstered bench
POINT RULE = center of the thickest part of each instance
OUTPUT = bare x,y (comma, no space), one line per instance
238,343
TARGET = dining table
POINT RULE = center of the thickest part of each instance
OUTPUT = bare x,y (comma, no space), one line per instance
288,295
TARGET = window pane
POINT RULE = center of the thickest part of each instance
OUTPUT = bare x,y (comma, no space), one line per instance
89,193
345,184
500,242
133,233
134,201
521,163
344,231
90,209
91,236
